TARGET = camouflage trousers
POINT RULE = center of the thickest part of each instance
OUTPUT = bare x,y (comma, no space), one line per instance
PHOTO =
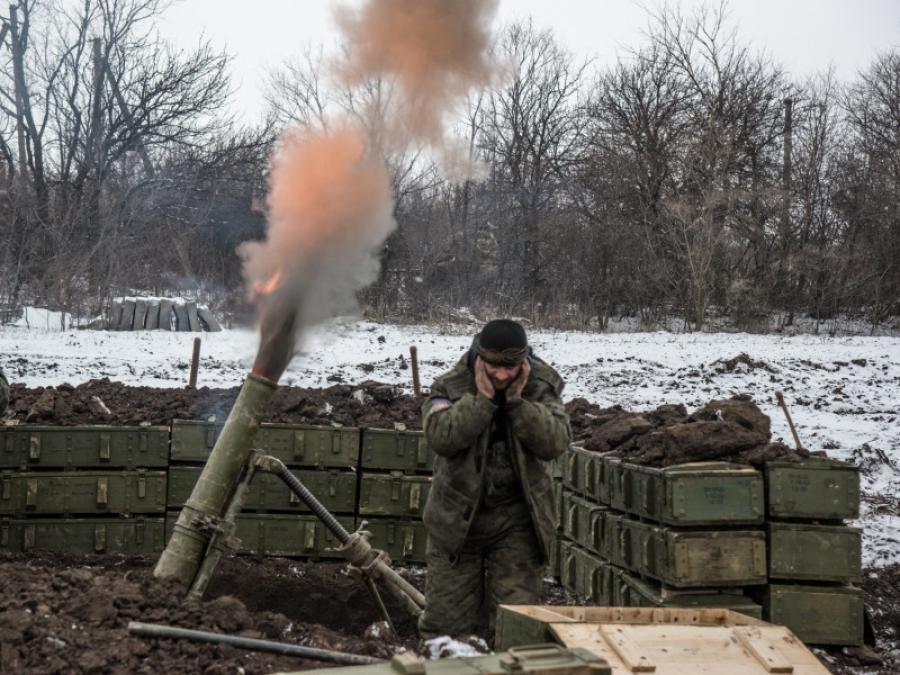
500,563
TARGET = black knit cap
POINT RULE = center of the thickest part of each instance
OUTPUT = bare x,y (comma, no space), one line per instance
502,342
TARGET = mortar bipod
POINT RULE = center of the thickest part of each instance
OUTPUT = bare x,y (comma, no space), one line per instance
366,563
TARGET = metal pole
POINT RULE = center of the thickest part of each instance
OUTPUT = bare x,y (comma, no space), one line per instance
195,364
414,359
155,630
787,414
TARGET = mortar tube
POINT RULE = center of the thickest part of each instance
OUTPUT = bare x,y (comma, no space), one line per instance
203,510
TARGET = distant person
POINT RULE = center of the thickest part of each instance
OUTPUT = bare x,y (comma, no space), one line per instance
494,421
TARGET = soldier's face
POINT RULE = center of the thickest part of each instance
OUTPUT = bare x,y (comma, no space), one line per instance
501,376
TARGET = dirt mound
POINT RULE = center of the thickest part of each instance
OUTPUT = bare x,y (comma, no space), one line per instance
741,362
68,614
62,613
732,429
104,402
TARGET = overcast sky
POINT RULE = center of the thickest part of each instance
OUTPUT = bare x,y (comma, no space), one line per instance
803,35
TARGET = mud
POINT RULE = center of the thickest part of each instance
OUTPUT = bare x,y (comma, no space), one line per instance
69,614
63,613
104,402
733,430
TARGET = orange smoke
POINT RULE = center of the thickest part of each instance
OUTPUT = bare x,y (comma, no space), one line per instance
330,202
435,50
330,208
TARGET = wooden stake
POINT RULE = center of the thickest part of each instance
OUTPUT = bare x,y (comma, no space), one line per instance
414,359
790,422
195,364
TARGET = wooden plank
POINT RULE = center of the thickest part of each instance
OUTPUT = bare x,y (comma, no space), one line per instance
207,318
140,315
182,321
634,658
193,320
127,318
688,649
165,314
152,322
764,651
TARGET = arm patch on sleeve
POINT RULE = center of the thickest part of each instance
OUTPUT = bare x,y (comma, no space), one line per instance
440,403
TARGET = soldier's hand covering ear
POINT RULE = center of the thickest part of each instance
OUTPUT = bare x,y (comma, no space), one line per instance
518,385
482,381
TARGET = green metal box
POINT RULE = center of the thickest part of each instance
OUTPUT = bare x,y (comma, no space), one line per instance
583,522
402,540
814,489
821,615
586,472
281,535
83,492
94,535
701,493
395,450
335,489
567,563
636,592
588,568
295,445
693,558
687,495
799,551
610,540
393,494
55,447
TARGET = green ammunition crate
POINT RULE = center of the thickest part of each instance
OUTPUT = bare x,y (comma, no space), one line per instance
583,522
803,552
83,492
75,535
49,447
819,615
393,494
701,493
610,539
335,489
402,540
295,445
281,534
559,501
814,489
686,558
588,573
586,473
395,450
636,592
567,564
553,562
569,462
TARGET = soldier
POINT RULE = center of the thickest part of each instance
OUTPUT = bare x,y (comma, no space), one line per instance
494,421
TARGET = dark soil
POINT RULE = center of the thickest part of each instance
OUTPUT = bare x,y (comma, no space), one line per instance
733,430
69,614
101,401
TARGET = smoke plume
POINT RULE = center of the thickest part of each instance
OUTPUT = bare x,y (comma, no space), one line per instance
330,206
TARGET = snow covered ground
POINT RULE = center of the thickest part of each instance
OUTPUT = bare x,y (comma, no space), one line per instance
844,392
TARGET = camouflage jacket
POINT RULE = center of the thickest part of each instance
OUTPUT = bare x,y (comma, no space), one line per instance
459,436
4,392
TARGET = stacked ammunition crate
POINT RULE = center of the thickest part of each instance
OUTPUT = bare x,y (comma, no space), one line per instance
697,535
395,477
273,521
813,556
83,489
